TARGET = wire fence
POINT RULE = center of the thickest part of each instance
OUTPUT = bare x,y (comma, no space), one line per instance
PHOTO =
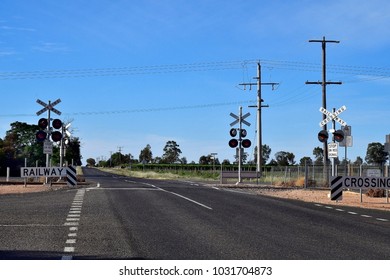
314,175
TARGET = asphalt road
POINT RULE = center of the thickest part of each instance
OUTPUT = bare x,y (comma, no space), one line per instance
129,218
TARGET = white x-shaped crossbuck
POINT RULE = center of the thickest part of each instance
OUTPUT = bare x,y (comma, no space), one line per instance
333,116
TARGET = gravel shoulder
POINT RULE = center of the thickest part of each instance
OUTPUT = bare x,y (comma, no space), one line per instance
320,196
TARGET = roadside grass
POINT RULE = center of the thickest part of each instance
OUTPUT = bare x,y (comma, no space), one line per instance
207,176
164,175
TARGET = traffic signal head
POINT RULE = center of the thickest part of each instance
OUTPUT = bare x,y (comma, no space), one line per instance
246,143
42,123
233,143
323,135
338,135
243,133
233,132
56,136
57,123
41,136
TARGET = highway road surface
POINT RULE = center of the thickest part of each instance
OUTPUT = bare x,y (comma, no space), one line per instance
127,218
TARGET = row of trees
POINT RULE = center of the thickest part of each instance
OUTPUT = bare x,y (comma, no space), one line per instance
19,146
172,154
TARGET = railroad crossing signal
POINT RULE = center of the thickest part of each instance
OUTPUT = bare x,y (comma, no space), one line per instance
333,116
49,107
242,133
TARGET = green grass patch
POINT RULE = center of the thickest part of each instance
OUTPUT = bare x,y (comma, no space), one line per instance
164,175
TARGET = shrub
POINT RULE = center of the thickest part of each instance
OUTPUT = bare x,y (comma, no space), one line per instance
376,193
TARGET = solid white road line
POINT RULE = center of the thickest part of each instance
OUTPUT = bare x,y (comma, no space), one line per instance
191,200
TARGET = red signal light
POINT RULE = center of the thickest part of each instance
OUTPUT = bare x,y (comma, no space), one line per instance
338,135
233,143
323,136
41,136
56,136
246,143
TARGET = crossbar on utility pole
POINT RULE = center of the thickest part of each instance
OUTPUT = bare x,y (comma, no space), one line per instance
324,83
259,106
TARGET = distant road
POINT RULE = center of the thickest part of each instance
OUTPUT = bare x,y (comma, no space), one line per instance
128,218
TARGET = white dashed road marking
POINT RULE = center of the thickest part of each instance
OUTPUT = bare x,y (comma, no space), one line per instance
72,220
350,212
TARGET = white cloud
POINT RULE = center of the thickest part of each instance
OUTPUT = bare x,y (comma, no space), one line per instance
7,53
51,47
5,27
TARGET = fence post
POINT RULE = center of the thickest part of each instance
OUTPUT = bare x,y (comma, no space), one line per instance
306,174
8,171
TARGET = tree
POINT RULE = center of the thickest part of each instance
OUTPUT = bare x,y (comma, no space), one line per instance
19,144
91,162
305,160
376,154
285,158
318,155
266,152
117,159
244,157
172,152
73,151
183,160
72,154
205,160
209,159
146,155
157,160
358,161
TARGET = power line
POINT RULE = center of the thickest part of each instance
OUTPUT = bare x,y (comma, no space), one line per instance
145,110
382,72
124,71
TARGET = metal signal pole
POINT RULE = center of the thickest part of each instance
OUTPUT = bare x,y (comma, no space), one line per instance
323,84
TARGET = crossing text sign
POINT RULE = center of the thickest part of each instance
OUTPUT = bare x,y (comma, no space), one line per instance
42,172
333,116
355,182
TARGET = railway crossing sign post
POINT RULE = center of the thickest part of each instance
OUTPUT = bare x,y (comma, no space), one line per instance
48,148
240,120
333,116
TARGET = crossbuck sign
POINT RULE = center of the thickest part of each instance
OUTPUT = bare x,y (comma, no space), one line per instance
238,119
333,116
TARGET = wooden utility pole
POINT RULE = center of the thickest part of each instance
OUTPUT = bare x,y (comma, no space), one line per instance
324,83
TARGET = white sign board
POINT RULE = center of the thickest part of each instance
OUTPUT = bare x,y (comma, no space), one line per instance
373,172
333,150
42,172
48,147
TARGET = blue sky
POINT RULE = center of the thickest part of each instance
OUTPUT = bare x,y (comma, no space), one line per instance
132,73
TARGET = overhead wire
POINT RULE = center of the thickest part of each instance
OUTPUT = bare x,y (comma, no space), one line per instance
122,71
363,73
367,72
130,111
